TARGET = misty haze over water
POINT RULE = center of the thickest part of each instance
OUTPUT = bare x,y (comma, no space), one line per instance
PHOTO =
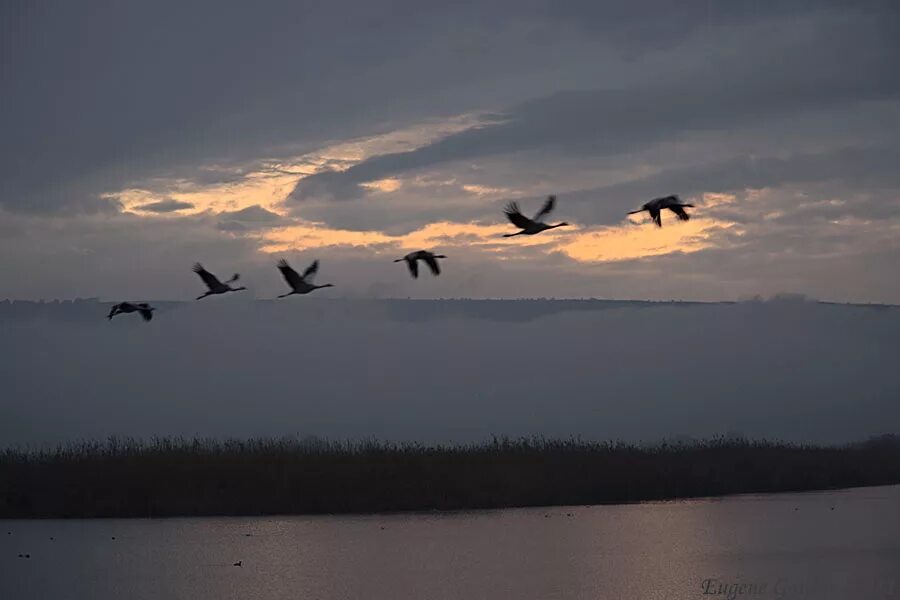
450,370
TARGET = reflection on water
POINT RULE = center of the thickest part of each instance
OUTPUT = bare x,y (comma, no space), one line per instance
842,544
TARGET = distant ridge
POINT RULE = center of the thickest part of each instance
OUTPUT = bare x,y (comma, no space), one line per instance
407,309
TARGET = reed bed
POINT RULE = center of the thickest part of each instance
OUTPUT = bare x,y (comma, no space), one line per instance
181,477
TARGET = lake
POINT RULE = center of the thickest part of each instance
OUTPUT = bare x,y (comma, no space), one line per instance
839,544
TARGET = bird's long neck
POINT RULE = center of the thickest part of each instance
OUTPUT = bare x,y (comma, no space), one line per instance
513,234
318,287
634,212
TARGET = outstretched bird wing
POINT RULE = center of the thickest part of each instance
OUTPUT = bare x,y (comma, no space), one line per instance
290,275
516,217
311,271
146,313
679,210
413,265
655,215
234,278
432,263
208,278
545,210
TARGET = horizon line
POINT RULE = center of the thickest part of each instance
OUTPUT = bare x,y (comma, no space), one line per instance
774,299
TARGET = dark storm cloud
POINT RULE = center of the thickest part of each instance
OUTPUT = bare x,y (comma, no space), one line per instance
847,170
100,94
248,219
128,88
840,64
165,206
106,92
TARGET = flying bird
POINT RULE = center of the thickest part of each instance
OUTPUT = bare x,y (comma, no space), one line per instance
129,307
212,282
300,284
429,258
530,226
673,203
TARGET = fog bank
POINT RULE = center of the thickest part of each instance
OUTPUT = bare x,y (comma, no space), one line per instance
451,370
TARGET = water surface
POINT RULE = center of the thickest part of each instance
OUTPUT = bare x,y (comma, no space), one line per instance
843,544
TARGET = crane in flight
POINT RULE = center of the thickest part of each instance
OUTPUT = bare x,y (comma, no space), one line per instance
300,284
429,258
657,205
530,226
213,284
129,307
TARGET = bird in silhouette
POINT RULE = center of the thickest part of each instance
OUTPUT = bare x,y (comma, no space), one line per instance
656,206
300,284
129,307
238,563
212,282
429,258
530,226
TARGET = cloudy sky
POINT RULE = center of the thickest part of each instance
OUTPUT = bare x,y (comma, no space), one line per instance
138,138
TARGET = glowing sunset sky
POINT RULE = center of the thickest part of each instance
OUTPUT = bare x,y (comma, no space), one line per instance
139,139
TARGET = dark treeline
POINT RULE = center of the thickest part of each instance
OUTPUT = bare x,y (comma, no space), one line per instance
92,310
169,477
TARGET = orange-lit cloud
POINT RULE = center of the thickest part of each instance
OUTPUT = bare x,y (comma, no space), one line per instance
629,242
272,181
602,244
266,191
484,190
268,184
309,236
390,184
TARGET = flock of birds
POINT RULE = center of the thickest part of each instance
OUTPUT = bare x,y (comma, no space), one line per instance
303,283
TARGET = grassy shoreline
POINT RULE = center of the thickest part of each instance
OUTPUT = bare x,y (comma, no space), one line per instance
177,477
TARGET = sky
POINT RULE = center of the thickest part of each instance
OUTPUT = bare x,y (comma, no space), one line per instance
139,138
